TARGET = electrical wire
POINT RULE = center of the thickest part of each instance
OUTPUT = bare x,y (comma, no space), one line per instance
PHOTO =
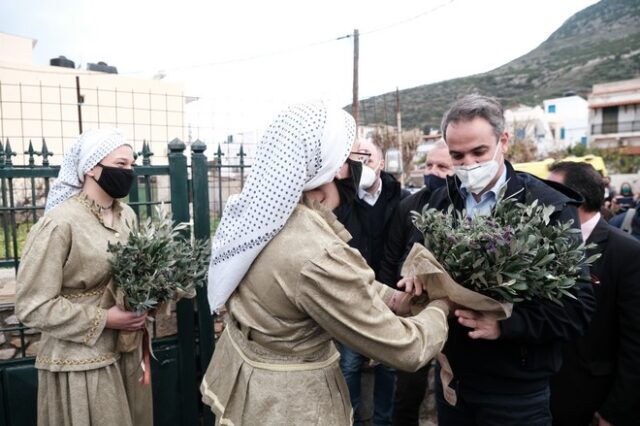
250,58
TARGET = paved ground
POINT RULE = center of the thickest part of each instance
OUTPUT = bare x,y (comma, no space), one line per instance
7,285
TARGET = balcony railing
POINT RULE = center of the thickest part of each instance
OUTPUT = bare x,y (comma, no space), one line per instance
616,127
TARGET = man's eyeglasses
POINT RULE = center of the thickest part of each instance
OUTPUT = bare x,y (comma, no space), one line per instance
361,156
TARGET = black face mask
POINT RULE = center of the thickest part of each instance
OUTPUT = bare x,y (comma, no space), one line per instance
348,187
433,182
115,181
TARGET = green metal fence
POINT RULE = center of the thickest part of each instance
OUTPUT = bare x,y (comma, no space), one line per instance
181,358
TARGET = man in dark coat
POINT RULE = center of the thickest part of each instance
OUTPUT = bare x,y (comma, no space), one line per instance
501,369
367,219
411,387
599,380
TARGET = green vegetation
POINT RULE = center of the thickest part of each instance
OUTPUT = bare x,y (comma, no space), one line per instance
6,239
598,44
214,221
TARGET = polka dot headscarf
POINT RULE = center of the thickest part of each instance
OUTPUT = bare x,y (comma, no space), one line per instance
302,149
90,148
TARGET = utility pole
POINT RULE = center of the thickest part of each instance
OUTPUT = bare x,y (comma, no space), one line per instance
79,101
399,122
355,106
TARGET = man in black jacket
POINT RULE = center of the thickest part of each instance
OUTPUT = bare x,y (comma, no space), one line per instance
402,234
501,369
367,220
600,376
412,386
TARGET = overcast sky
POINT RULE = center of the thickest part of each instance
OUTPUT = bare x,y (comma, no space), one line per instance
247,59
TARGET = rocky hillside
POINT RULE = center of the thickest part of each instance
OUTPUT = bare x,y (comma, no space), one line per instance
598,44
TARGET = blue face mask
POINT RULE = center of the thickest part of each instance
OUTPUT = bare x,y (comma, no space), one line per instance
433,182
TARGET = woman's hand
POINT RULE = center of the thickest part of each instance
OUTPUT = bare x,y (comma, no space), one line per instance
400,303
125,320
412,285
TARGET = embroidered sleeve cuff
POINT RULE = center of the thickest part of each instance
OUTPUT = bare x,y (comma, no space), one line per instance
98,324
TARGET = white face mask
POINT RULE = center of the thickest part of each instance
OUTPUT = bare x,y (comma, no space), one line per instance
368,177
476,177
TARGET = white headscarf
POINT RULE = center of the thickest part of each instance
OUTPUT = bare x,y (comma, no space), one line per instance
302,149
90,148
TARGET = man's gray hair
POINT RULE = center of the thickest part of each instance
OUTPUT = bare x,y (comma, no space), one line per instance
471,106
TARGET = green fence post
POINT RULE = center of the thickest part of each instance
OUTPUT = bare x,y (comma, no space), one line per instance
45,163
146,161
241,154
201,230
134,196
219,156
5,210
32,163
186,334
8,162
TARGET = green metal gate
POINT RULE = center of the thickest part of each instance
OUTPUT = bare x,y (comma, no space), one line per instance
180,359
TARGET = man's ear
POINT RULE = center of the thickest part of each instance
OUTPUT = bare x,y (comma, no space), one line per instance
504,142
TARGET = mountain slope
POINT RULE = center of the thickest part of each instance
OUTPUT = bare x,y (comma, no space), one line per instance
598,44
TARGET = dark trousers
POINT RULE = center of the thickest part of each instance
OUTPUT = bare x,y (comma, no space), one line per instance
410,391
383,388
481,408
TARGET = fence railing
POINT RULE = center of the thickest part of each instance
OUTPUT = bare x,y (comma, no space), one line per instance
615,127
188,189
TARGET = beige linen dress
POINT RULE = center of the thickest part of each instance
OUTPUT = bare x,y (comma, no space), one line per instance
276,363
64,289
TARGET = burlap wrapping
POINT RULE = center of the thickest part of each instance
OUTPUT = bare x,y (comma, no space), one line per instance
128,341
439,284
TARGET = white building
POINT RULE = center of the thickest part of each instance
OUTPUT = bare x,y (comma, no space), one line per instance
568,119
55,102
614,115
530,123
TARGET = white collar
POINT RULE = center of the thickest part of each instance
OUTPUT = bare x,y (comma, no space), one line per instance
588,227
368,198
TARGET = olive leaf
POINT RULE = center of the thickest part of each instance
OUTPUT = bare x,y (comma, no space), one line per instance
158,263
511,255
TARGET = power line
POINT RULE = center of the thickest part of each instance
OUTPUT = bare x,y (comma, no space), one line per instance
304,46
250,58
405,21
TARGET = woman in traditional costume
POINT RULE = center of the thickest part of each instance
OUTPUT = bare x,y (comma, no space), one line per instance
64,290
291,284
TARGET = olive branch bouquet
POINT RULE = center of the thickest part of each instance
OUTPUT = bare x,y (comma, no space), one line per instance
158,263
513,254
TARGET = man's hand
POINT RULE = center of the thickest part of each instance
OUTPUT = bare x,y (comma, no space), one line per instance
484,327
599,421
124,320
411,285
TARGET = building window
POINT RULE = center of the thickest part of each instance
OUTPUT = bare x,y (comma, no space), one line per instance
520,133
562,133
583,140
610,120
551,108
